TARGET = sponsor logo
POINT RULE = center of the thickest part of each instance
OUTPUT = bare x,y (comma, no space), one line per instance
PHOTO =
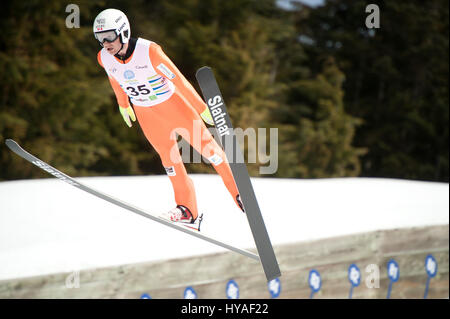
132,82
128,74
141,67
218,114
118,19
121,27
55,173
113,70
166,71
100,21
215,159
170,171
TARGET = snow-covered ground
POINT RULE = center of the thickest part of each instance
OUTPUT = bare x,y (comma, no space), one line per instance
47,226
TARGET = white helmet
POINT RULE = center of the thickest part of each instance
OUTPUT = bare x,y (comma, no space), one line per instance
112,20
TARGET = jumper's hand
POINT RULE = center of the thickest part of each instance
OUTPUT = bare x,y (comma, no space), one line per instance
206,116
127,114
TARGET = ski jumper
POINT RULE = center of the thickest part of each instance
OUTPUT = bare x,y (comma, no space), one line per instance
165,103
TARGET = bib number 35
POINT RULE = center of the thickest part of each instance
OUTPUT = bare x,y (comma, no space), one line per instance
140,89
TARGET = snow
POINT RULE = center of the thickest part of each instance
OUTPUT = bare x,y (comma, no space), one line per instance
47,226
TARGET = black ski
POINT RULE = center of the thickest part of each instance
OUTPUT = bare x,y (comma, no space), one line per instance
224,128
65,178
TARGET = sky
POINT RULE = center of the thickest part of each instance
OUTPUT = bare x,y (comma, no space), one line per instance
287,4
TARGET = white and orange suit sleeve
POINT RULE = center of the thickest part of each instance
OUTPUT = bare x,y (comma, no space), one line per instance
121,96
157,56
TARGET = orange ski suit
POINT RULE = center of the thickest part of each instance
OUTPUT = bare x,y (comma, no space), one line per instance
178,114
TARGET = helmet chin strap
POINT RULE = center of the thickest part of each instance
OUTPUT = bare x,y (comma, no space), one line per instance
121,47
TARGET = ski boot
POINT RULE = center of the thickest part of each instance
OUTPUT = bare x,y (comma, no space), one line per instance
182,216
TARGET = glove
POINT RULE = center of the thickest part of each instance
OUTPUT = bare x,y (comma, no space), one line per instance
206,116
127,114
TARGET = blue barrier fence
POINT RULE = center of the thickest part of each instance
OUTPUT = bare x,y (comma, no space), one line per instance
315,281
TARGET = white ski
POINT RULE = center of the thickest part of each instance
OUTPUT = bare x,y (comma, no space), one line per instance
65,178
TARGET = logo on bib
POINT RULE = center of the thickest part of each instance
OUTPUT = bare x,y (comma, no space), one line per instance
128,74
165,70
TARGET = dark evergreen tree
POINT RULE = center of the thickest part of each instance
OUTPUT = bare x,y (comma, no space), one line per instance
396,80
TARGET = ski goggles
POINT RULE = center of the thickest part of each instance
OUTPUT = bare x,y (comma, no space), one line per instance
108,36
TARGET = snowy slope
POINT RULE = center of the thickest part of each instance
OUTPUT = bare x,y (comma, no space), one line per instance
47,226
